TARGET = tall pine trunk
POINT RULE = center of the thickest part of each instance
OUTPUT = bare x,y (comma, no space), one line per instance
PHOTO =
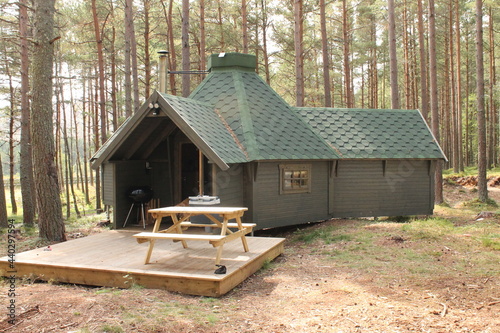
50,218
424,93
481,119
434,106
186,62
26,161
325,54
299,51
393,57
3,202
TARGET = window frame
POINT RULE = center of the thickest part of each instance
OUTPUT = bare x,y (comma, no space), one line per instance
285,169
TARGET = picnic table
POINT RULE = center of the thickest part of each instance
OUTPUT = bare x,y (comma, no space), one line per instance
180,216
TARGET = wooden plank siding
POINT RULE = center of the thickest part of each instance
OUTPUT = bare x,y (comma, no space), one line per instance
382,188
108,183
272,209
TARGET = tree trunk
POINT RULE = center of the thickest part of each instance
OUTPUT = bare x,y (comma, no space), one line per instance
244,25
393,57
299,52
130,36
186,62
100,60
147,62
349,100
112,94
11,134
438,177
481,119
203,60
325,54
3,202
126,63
97,184
493,129
86,137
265,55
459,86
26,161
50,218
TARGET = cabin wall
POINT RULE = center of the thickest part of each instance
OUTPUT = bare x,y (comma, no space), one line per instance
272,209
229,185
382,188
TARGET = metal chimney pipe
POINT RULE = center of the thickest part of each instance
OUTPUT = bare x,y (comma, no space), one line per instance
162,84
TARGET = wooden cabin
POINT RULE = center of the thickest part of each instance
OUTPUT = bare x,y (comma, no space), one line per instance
234,137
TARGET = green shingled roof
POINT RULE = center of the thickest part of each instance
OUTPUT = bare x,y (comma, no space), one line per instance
368,134
264,124
208,127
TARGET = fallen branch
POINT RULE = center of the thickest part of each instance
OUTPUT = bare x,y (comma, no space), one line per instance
445,310
493,303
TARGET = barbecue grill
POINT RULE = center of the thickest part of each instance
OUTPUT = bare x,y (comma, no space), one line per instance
140,196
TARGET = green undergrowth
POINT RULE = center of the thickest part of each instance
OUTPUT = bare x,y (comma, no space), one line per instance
425,248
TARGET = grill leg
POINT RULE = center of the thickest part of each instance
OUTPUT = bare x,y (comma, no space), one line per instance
128,215
143,220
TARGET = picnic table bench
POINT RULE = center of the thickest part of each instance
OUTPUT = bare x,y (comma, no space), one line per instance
180,216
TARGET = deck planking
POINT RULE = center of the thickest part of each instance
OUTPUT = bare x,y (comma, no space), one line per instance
115,259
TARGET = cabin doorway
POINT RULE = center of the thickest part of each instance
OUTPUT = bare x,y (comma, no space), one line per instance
191,172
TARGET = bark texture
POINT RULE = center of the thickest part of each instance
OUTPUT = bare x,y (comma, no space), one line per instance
50,219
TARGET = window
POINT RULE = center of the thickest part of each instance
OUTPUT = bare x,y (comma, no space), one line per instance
295,178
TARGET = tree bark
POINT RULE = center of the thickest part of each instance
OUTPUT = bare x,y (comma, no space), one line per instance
299,51
265,55
147,62
481,119
3,202
12,117
26,161
393,57
203,60
130,36
244,25
186,62
349,98
438,176
100,61
325,54
50,218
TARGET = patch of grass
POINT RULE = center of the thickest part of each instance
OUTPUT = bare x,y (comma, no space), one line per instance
432,228
492,243
113,329
327,234
199,314
112,291
490,204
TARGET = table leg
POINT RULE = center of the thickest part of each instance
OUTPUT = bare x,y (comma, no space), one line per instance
243,238
219,255
150,250
177,226
152,241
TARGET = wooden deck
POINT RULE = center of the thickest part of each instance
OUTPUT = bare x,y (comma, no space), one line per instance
115,259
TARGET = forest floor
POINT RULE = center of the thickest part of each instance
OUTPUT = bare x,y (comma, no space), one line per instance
426,274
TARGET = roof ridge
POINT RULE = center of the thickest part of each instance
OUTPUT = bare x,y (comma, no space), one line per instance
252,147
230,130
